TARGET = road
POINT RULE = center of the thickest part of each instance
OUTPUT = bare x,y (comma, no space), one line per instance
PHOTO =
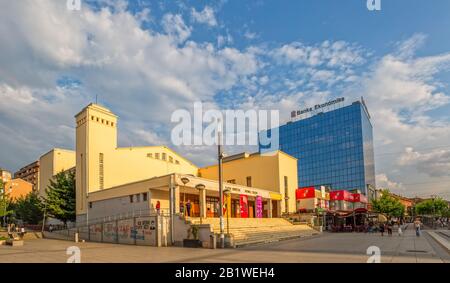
328,247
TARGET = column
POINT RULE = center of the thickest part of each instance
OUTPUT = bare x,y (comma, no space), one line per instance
202,203
177,199
269,208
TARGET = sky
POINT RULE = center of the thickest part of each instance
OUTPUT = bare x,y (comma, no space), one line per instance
146,59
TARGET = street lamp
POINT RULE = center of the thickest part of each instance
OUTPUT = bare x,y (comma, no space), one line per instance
220,157
200,187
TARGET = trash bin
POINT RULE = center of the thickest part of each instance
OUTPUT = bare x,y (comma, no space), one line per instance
212,241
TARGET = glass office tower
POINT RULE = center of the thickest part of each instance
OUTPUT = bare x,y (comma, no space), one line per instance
333,148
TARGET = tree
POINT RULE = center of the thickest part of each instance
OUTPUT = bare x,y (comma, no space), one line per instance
437,206
29,209
4,202
388,205
60,200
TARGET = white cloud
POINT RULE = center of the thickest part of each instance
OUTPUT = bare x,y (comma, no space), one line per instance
329,54
435,163
134,72
383,181
206,16
175,26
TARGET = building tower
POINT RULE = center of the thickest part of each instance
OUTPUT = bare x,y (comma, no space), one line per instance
96,137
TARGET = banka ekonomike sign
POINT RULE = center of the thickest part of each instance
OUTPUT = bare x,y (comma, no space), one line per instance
316,107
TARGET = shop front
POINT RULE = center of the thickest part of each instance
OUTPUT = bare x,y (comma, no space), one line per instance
239,201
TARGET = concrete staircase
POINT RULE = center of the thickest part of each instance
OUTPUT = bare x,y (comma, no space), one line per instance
249,231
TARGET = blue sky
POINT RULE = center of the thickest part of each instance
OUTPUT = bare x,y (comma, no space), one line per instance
146,59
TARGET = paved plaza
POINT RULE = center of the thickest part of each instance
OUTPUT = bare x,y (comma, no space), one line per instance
328,247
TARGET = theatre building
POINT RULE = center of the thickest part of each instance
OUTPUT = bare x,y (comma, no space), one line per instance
114,181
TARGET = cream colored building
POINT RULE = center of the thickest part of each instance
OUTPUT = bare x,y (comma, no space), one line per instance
276,172
100,164
5,176
113,181
52,163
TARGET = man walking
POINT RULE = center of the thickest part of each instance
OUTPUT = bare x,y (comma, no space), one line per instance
417,224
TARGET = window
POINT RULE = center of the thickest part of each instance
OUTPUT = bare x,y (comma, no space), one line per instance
92,118
177,162
103,121
112,124
101,171
138,198
131,199
150,155
98,119
107,123
249,181
170,159
163,156
233,181
157,155
144,196
90,204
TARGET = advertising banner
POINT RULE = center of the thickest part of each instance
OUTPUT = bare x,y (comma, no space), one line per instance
244,206
259,207
110,232
126,231
305,193
145,230
95,232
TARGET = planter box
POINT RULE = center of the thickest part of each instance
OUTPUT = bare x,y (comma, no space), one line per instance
188,243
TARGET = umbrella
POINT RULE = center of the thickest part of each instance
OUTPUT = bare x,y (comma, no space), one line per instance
382,218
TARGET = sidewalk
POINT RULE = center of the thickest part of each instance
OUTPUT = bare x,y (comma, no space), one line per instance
415,249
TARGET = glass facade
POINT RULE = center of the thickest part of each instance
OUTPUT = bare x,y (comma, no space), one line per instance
334,148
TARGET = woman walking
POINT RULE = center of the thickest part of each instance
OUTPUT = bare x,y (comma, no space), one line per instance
382,229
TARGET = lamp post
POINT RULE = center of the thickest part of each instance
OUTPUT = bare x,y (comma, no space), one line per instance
433,198
220,157
200,187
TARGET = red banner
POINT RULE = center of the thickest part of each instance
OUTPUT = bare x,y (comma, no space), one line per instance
360,198
305,193
244,206
341,195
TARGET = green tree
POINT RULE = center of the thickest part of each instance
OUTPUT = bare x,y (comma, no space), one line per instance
4,202
388,205
437,206
60,200
29,209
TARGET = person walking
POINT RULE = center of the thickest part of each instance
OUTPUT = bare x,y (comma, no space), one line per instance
417,224
382,229
389,228
188,208
400,231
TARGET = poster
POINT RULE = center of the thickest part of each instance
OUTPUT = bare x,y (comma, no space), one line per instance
259,207
244,206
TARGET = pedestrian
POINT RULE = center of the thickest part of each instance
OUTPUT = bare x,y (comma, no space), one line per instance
188,207
382,229
158,207
389,228
417,226
400,232
50,228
